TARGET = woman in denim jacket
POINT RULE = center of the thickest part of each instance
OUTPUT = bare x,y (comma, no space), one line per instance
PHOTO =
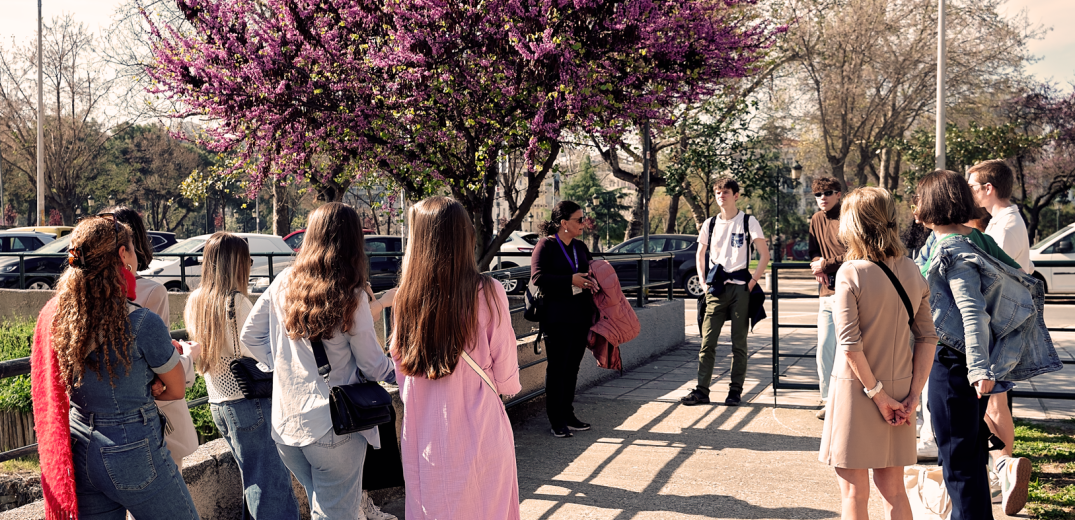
983,318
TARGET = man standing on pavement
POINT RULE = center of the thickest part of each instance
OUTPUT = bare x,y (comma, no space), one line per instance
991,183
724,243
826,257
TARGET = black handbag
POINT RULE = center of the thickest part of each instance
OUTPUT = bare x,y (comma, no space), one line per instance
253,382
354,407
534,303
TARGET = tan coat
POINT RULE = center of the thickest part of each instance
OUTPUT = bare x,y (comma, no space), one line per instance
871,318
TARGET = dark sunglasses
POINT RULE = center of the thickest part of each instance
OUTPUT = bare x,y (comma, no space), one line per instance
579,220
826,193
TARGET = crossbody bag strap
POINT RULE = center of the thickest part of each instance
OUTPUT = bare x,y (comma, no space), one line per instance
470,361
321,358
233,318
899,289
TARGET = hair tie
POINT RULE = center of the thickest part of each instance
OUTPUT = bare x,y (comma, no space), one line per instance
74,257
892,225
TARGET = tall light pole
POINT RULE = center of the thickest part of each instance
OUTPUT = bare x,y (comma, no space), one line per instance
939,160
40,126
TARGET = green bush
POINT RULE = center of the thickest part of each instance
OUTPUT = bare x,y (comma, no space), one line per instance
15,339
203,418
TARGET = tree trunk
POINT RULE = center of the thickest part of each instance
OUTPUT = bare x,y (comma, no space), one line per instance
837,166
281,214
673,212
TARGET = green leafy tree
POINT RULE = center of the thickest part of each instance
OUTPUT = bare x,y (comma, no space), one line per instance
607,215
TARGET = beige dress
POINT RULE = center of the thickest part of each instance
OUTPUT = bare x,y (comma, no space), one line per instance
871,318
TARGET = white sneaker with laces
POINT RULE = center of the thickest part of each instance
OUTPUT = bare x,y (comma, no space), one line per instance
1014,476
371,510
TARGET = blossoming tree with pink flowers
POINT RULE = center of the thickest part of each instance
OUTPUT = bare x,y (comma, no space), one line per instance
434,93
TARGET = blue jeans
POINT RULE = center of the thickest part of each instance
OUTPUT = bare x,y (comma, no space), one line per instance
826,343
121,464
245,425
962,437
331,471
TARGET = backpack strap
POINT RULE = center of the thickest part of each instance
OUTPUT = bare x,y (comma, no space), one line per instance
899,289
709,246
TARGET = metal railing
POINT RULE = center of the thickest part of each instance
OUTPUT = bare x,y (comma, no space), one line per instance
777,355
21,366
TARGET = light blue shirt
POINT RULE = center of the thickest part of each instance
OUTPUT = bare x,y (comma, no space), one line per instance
300,401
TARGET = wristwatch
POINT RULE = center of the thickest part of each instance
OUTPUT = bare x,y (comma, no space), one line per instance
870,392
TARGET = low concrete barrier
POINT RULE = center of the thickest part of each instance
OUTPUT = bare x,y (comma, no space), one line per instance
213,477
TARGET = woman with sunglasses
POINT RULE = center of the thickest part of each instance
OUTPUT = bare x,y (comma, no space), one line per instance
560,267
94,358
214,314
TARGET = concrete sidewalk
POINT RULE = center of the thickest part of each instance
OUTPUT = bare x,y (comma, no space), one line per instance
648,457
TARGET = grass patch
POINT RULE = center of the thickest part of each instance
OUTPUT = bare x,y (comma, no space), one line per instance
15,339
28,464
1051,449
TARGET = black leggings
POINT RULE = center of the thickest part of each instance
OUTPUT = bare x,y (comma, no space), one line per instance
565,346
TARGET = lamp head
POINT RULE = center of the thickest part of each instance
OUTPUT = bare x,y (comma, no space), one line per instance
796,171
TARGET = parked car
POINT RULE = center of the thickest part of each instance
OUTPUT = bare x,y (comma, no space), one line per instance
23,241
294,238
517,242
41,272
166,269
384,271
684,273
1058,246
161,240
56,231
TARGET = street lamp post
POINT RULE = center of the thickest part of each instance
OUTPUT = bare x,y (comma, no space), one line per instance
89,201
530,221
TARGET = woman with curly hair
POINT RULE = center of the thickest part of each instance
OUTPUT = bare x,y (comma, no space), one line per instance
213,315
320,299
104,452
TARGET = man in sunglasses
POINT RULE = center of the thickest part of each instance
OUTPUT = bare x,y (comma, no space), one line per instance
826,256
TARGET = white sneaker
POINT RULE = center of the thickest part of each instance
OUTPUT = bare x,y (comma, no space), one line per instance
995,491
927,450
1014,476
371,510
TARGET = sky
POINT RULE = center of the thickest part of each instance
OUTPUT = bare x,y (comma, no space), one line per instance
1056,50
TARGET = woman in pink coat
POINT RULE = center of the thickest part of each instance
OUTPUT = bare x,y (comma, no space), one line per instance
455,349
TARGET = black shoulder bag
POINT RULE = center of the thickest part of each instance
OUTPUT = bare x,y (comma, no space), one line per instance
354,407
253,382
899,289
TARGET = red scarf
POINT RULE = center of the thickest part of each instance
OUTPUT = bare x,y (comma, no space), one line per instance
51,405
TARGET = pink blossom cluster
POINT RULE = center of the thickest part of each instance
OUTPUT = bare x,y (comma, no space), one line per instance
434,91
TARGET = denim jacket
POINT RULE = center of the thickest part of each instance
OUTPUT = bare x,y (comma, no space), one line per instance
991,312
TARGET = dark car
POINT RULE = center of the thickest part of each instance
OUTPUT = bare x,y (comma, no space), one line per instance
161,240
684,273
384,271
41,272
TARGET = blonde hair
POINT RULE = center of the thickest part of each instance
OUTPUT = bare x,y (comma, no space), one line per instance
868,226
225,271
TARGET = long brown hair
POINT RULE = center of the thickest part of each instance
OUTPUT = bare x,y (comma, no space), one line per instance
225,269
91,303
329,274
436,306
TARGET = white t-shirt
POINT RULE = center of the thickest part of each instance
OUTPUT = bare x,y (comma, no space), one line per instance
730,241
1009,231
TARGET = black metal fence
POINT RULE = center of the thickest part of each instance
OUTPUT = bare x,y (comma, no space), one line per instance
778,384
21,366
